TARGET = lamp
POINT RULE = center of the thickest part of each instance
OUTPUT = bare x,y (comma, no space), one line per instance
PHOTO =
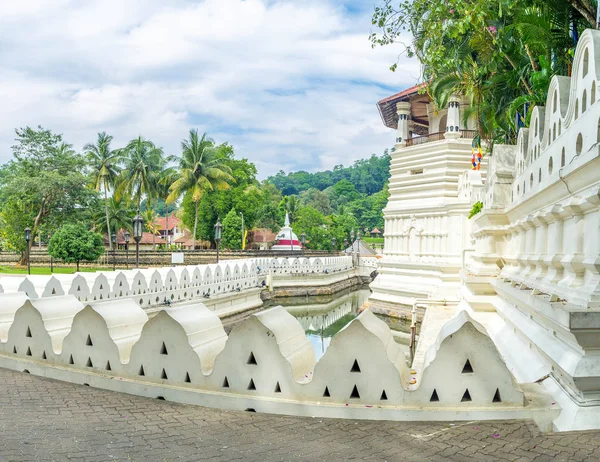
127,237
138,226
218,228
333,243
114,241
27,240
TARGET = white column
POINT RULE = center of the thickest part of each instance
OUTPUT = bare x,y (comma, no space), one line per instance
453,119
403,111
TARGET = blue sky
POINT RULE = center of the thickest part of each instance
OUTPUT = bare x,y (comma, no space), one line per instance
290,84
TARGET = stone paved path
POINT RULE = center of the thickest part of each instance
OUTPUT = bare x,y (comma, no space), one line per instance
42,419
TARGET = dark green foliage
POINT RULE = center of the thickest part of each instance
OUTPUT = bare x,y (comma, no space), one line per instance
367,175
74,243
232,230
44,186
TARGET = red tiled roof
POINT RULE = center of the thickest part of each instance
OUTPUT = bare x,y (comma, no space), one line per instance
146,239
408,92
375,231
161,222
186,239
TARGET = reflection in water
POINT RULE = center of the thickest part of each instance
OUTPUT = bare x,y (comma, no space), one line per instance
324,316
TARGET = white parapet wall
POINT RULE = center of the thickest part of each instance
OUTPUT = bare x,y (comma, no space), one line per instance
534,277
266,364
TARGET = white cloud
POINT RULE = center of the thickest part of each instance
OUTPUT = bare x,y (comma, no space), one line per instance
289,84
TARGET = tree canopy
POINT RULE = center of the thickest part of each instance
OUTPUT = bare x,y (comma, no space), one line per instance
500,54
73,243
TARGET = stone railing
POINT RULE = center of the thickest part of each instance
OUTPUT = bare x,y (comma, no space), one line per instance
265,364
156,286
436,137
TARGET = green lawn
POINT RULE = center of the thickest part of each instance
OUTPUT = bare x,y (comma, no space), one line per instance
373,240
46,270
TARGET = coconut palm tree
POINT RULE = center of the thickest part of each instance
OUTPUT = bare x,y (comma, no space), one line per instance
201,169
166,177
104,163
120,213
141,160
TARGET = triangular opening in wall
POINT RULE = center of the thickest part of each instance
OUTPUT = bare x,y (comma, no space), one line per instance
101,287
53,291
163,349
383,396
187,378
251,359
28,351
108,368
326,393
89,342
14,350
251,385
466,397
355,366
71,360
89,363
44,355
163,375
277,388
355,394
28,333
225,382
497,398
467,368
141,372
434,397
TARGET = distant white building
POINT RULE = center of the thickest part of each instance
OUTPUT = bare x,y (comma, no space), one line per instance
286,239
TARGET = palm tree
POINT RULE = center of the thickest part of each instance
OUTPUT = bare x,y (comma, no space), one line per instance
104,163
166,177
120,214
200,170
141,160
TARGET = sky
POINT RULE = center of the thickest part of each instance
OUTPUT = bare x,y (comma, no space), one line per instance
290,84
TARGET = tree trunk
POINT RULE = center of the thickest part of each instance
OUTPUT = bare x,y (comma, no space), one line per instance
36,223
107,218
167,222
78,266
195,227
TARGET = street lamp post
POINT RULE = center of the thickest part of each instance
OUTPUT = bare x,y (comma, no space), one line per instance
138,226
51,257
27,239
242,214
333,244
218,234
127,237
114,242
345,245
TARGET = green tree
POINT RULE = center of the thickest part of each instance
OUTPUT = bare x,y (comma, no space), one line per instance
43,186
232,230
316,226
74,243
120,216
141,160
201,169
104,164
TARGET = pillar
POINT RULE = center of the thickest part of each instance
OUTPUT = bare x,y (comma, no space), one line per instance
453,119
402,135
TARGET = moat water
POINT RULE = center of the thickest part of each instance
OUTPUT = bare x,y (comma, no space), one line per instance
323,316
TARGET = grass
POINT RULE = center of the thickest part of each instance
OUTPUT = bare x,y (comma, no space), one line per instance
373,240
46,270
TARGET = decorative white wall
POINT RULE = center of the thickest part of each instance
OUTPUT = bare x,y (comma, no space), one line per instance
266,363
534,278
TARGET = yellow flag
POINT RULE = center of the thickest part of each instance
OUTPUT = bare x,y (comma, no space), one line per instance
244,240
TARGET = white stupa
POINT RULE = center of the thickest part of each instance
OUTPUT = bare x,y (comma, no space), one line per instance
286,239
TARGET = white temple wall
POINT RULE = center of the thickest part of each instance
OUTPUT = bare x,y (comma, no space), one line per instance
267,360
538,249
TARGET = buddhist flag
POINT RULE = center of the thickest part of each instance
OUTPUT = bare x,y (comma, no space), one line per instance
244,240
476,153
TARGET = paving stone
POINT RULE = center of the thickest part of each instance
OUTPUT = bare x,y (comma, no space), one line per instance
42,419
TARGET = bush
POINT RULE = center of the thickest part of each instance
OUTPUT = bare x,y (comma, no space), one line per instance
74,243
477,207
